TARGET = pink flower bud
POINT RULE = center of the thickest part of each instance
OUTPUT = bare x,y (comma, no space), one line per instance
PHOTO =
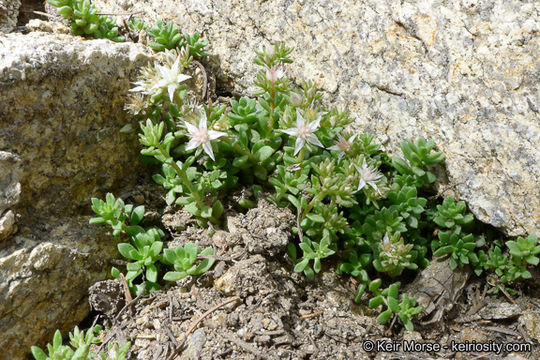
274,74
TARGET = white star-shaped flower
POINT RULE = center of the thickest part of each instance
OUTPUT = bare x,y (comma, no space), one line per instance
304,132
342,145
170,77
202,136
141,86
148,79
368,176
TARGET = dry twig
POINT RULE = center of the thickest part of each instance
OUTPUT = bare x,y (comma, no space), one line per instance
524,334
507,295
194,325
205,78
129,304
122,14
54,17
197,322
503,331
127,293
298,221
171,335
170,308
478,303
309,316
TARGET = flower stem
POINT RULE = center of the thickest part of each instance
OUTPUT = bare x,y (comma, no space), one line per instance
272,107
183,176
300,160
177,99
312,203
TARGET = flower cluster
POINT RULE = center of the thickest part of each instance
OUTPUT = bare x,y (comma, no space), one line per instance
167,78
394,256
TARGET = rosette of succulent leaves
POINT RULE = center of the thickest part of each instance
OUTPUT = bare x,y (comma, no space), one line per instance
356,207
79,347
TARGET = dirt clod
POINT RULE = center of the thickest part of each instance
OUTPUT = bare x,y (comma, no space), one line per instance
107,297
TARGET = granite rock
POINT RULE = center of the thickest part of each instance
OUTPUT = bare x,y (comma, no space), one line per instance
10,172
44,281
61,111
10,190
461,72
7,225
9,12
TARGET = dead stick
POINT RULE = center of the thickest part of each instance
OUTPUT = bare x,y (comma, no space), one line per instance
216,257
194,325
171,335
130,303
503,331
43,14
309,316
197,322
170,308
205,78
127,293
389,330
524,333
507,294
107,339
298,217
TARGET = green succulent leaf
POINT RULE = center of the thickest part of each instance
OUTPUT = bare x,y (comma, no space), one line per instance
127,251
301,265
384,316
137,215
375,301
152,273
174,276
38,353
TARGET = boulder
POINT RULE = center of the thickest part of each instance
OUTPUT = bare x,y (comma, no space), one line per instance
463,73
61,111
10,190
44,281
9,12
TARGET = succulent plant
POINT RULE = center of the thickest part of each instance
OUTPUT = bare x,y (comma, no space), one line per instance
389,297
417,157
85,20
461,248
80,342
183,260
353,203
452,215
